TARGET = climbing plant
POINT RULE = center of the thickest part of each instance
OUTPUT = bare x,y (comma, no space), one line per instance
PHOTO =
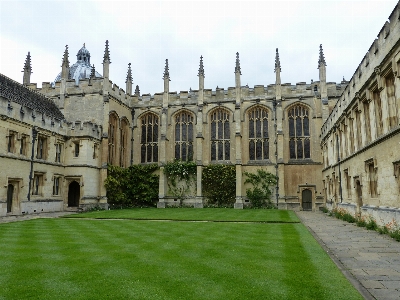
181,177
262,182
219,184
133,186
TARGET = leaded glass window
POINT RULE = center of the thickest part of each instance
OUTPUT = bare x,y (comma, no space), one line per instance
299,132
220,135
149,138
258,134
184,136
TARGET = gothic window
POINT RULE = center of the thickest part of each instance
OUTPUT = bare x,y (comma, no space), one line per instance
378,111
258,134
184,136
149,138
11,142
367,122
76,149
358,126
351,136
299,132
391,99
23,145
56,186
220,135
37,184
347,178
112,138
123,142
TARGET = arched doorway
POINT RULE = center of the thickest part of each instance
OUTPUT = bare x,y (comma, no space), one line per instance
74,194
10,195
306,197
359,195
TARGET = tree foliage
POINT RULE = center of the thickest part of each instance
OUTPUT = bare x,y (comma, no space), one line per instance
219,184
262,182
133,186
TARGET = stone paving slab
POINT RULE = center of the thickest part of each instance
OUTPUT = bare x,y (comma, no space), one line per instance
16,218
369,260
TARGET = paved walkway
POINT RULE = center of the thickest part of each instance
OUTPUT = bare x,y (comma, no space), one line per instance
369,260
15,218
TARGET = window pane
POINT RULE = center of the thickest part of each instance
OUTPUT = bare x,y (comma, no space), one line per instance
184,132
251,150
258,128
184,155
190,133
177,132
291,127
299,149
265,128
213,131
292,149
149,153
299,131
220,151
307,148
149,133
155,134
190,151
220,130
213,151
258,150
251,129
306,127
266,149
226,131
227,150
177,151
143,138
155,153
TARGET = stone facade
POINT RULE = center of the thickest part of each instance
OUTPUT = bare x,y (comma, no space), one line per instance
360,138
296,131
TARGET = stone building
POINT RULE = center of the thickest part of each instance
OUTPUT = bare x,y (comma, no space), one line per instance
316,137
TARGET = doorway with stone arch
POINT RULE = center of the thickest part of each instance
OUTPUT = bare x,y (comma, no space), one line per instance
74,194
306,199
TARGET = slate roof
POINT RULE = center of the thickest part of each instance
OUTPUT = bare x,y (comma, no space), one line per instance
16,92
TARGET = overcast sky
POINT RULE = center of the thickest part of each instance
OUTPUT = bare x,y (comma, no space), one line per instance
146,33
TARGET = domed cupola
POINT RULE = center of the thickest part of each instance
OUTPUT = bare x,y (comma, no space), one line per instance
83,56
81,69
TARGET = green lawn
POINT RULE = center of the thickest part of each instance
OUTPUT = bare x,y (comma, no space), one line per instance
128,259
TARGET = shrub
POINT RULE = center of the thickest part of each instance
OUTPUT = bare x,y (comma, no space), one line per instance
324,209
260,194
219,184
133,186
371,224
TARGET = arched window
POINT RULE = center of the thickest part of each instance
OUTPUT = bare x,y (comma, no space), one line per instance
112,138
149,138
184,136
123,142
258,134
220,135
299,132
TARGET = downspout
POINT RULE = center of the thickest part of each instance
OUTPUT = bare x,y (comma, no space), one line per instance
34,135
133,116
338,159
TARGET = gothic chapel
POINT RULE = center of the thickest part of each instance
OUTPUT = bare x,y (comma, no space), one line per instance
330,144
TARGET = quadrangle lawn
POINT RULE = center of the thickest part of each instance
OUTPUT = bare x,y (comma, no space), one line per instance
129,259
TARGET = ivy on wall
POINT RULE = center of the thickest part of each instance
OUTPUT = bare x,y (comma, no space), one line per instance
260,194
219,184
181,177
133,186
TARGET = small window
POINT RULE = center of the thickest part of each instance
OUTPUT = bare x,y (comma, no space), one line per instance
41,147
23,144
11,142
37,184
94,151
56,186
76,149
58,152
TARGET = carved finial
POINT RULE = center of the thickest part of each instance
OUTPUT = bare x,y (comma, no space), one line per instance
321,60
92,71
84,45
137,91
237,67
166,70
106,54
27,66
129,75
65,61
277,61
201,69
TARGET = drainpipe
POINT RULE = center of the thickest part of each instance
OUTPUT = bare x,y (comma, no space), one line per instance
338,159
274,103
133,116
34,135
